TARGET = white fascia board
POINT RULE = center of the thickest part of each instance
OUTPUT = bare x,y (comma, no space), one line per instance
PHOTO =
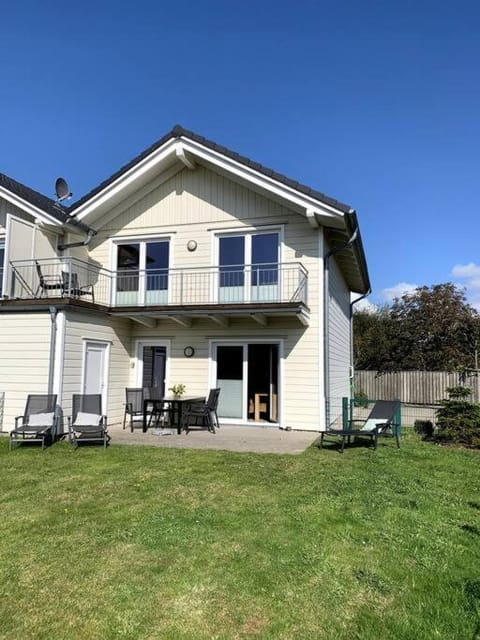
180,148
29,208
115,187
261,180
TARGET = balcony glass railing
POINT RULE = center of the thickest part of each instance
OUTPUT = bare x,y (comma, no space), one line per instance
225,285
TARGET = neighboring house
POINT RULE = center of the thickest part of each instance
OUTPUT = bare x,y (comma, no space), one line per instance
193,265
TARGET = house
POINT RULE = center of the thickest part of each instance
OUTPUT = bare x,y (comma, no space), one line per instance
191,264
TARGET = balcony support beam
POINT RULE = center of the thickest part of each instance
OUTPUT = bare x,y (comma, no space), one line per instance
220,320
260,318
151,323
183,321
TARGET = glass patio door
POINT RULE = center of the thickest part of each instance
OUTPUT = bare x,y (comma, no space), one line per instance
142,273
257,282
231,370
248,376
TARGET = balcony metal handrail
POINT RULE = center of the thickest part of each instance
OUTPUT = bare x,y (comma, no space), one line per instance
218,284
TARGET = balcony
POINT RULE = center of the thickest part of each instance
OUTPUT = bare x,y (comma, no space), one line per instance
223,287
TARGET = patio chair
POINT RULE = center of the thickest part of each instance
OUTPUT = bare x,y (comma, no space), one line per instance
202,415
134,405
38,422
162,414
51,282
382,421
71,286
87,424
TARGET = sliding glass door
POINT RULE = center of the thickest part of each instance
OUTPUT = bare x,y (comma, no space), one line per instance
248,267
248,376
142,272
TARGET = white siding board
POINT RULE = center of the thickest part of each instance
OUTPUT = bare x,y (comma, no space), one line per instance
24,364
339,340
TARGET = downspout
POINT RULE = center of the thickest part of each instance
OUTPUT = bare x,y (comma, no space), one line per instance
352,369
53,336
82,243
326,314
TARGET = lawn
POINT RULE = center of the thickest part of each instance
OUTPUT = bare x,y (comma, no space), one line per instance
140,542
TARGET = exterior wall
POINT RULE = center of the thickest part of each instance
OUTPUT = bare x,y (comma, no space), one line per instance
197,205
339,338
24,364
82,327
300,388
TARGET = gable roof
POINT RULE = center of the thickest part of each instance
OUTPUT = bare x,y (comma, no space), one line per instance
179,132
338,218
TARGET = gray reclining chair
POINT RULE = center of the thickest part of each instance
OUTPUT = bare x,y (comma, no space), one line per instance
38,422
87,424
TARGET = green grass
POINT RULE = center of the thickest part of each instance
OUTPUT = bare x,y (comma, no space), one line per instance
140,542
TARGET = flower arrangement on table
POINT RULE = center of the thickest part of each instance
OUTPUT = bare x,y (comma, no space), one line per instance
178,390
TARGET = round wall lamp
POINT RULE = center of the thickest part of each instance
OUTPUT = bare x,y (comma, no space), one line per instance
191,245
188,352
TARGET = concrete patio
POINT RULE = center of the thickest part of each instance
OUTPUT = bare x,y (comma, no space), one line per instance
227,438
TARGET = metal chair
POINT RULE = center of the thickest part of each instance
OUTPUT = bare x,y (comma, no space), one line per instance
38,422
134,405
50,282
202,414
87,423
71,286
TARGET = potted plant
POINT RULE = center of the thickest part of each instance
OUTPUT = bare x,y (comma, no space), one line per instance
178,390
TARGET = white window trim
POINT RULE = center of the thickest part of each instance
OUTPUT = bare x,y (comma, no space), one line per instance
138,359
246,232
244,341
141,240
106,368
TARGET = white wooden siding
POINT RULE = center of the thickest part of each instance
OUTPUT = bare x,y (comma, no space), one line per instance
195,205
81,327
339,340
24,361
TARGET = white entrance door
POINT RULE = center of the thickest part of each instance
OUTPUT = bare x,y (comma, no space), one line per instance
95,369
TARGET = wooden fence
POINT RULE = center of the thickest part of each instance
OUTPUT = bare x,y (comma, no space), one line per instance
412,387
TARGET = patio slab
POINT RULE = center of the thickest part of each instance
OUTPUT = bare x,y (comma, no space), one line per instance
227,438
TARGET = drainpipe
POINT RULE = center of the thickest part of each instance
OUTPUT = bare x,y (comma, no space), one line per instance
326,312
83,243
351,334
53,336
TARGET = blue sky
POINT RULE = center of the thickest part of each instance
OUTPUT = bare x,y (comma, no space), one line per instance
376,104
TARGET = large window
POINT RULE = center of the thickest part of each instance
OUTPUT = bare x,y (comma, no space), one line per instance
248,266
142,272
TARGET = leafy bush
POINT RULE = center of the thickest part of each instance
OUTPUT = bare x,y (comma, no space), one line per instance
458,420
360,399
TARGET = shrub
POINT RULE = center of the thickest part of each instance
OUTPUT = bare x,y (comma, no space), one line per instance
458,419
424,428
360,399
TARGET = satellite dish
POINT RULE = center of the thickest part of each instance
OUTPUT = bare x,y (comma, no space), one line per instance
61,189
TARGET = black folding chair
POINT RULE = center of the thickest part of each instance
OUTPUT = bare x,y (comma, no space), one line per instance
87,424
134,405
202,415
38,422
48,282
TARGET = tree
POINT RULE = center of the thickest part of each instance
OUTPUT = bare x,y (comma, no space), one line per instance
371,338
432,328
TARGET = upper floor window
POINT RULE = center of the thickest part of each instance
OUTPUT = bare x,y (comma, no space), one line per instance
142,272
248,266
